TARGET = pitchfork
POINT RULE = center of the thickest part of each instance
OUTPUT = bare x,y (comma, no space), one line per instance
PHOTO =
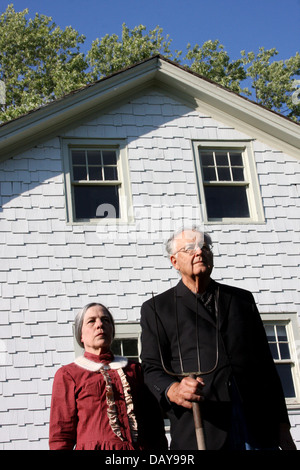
196,407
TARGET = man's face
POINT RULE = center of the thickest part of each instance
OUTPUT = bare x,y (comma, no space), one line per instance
190,265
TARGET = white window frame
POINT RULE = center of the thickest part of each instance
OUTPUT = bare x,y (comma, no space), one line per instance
129,331
125,197
251,179
290,321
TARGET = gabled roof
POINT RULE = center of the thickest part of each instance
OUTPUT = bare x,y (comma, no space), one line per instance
200,93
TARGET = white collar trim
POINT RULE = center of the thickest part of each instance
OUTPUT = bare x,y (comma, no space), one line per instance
117,363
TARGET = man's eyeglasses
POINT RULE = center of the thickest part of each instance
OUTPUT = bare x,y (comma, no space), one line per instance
193,248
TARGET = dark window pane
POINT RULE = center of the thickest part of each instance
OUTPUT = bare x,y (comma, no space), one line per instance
270,332
209,174
281,333
284,351
125,347
78,157
95,173
94,157
285,374
221,159
90,198
116,347
236,159
109,157
224,174
238,174
79,173
130,347
110,173
274,350
207,159
226,201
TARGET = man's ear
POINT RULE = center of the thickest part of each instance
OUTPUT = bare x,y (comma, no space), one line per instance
173,260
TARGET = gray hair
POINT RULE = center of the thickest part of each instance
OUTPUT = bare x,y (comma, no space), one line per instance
170,242
80,316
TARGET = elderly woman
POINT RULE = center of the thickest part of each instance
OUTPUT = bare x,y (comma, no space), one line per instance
100,401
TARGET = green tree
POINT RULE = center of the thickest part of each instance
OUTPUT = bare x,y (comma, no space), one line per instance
273,82
112,53
38,61
213,62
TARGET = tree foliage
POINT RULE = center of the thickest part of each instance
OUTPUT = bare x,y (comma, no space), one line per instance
111,54
40,62
273,82
213,62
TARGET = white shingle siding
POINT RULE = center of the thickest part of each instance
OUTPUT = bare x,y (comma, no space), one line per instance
49,269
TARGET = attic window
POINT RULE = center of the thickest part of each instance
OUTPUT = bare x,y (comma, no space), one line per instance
225,186
97,181
228,183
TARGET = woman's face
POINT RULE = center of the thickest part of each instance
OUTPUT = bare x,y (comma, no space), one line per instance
97,330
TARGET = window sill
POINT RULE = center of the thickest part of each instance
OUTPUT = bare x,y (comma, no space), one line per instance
102,222
292,405
235,222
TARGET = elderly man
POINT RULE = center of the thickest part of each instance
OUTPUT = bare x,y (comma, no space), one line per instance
201,325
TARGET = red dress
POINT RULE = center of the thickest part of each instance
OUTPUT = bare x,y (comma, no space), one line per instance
101,402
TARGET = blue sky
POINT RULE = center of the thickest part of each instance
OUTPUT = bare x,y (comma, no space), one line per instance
237,24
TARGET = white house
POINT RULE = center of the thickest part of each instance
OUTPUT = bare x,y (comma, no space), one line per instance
152,147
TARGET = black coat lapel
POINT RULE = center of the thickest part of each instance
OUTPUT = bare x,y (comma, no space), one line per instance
189,299
223,303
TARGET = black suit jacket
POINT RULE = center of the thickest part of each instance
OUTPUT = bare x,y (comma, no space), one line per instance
240,353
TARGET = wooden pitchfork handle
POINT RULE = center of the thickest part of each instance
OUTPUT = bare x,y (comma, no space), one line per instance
198,423
196,407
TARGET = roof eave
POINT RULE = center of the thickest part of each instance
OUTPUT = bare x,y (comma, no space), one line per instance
203,94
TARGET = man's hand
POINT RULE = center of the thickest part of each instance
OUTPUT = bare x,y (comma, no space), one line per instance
185,392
